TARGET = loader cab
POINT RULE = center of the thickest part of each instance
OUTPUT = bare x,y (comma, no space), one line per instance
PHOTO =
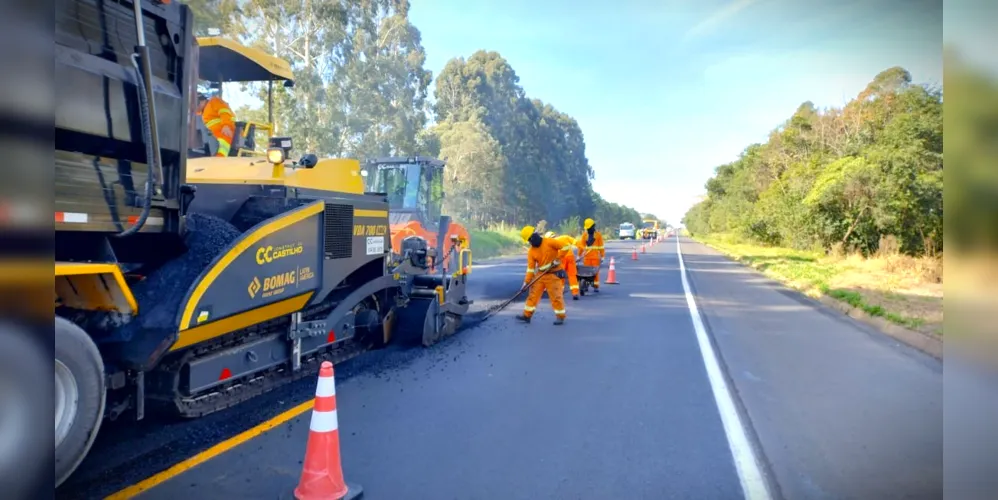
414,187
221,60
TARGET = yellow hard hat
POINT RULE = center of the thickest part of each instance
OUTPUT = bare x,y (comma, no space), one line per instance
526,232
549,234
588,223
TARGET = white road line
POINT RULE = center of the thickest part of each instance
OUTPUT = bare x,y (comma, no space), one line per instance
746,464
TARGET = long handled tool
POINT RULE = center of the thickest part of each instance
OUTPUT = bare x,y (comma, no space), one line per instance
499,307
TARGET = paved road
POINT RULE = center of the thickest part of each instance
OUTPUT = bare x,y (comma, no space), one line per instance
619,401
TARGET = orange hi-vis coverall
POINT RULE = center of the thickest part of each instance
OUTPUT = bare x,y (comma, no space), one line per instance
220,120
568,262
546,257
593,254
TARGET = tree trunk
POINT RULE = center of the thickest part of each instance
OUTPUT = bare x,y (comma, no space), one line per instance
852,227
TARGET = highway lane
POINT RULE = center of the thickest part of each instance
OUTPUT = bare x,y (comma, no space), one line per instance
615,403
127,452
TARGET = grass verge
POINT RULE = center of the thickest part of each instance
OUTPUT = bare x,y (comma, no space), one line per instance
904,290
495,242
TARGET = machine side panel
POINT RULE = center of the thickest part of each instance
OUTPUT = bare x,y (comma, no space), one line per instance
356,233
274,262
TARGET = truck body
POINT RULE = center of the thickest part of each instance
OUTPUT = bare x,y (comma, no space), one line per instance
649,229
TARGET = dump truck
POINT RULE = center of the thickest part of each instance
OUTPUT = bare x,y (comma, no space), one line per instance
649,229
187,283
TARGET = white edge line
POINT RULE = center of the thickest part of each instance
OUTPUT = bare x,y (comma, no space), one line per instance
746,463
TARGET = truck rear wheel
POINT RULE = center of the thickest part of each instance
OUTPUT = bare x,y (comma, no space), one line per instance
79,396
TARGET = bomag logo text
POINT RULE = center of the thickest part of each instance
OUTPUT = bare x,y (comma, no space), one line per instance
268,254
279,281
273,285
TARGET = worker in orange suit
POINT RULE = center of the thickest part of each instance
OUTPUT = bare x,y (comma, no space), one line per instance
219,119
591,250
543,264
568,261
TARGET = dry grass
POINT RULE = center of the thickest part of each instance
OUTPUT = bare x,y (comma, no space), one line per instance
905,290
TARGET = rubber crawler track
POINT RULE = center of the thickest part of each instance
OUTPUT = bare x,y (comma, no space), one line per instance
163,381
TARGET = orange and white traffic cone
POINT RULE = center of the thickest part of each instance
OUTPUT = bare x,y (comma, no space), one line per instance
642,249
322,472
611,277
634,253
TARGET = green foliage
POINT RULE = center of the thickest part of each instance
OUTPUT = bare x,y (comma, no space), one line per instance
571,226
609,216
972,121
361,90
495,241
521,159
839,177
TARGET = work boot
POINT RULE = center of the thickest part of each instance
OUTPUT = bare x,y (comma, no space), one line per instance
575,297
524,318
559,321
596,289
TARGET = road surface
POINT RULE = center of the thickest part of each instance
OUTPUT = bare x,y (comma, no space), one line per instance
769,395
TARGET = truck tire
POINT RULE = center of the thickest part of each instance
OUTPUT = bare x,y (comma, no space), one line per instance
79,396
25,459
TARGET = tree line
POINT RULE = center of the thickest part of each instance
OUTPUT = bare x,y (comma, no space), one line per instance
362,90
839,179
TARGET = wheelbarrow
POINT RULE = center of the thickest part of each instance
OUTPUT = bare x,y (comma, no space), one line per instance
586,276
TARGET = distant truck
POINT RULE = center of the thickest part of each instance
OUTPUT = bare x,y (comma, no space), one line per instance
649,229
627,231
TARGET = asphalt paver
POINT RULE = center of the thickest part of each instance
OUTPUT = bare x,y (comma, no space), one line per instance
127,452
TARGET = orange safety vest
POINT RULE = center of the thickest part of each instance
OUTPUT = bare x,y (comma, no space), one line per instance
546,257
591,255
220,120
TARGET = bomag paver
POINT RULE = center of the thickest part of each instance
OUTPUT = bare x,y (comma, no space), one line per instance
188,283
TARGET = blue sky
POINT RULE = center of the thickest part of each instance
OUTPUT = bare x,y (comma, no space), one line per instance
667,90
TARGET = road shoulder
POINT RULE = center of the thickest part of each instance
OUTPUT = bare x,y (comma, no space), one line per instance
927,343
839,410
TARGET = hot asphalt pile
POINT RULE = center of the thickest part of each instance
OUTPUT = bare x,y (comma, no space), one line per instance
161,291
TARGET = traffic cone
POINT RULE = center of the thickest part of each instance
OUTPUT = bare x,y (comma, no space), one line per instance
322,472
634,254
642,249
611,277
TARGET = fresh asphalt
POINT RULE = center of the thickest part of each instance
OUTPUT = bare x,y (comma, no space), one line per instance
617,402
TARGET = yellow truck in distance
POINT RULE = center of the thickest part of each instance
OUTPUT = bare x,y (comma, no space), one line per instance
649,229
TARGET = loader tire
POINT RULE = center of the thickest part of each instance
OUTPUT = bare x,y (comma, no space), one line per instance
79,396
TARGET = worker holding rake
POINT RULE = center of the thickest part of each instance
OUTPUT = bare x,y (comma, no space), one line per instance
545,273
568,261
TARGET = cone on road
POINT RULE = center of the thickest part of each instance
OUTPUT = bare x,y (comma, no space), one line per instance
642,249
611,277
322,471
634,254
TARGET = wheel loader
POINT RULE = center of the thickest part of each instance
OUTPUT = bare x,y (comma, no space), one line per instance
415,193
188,283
